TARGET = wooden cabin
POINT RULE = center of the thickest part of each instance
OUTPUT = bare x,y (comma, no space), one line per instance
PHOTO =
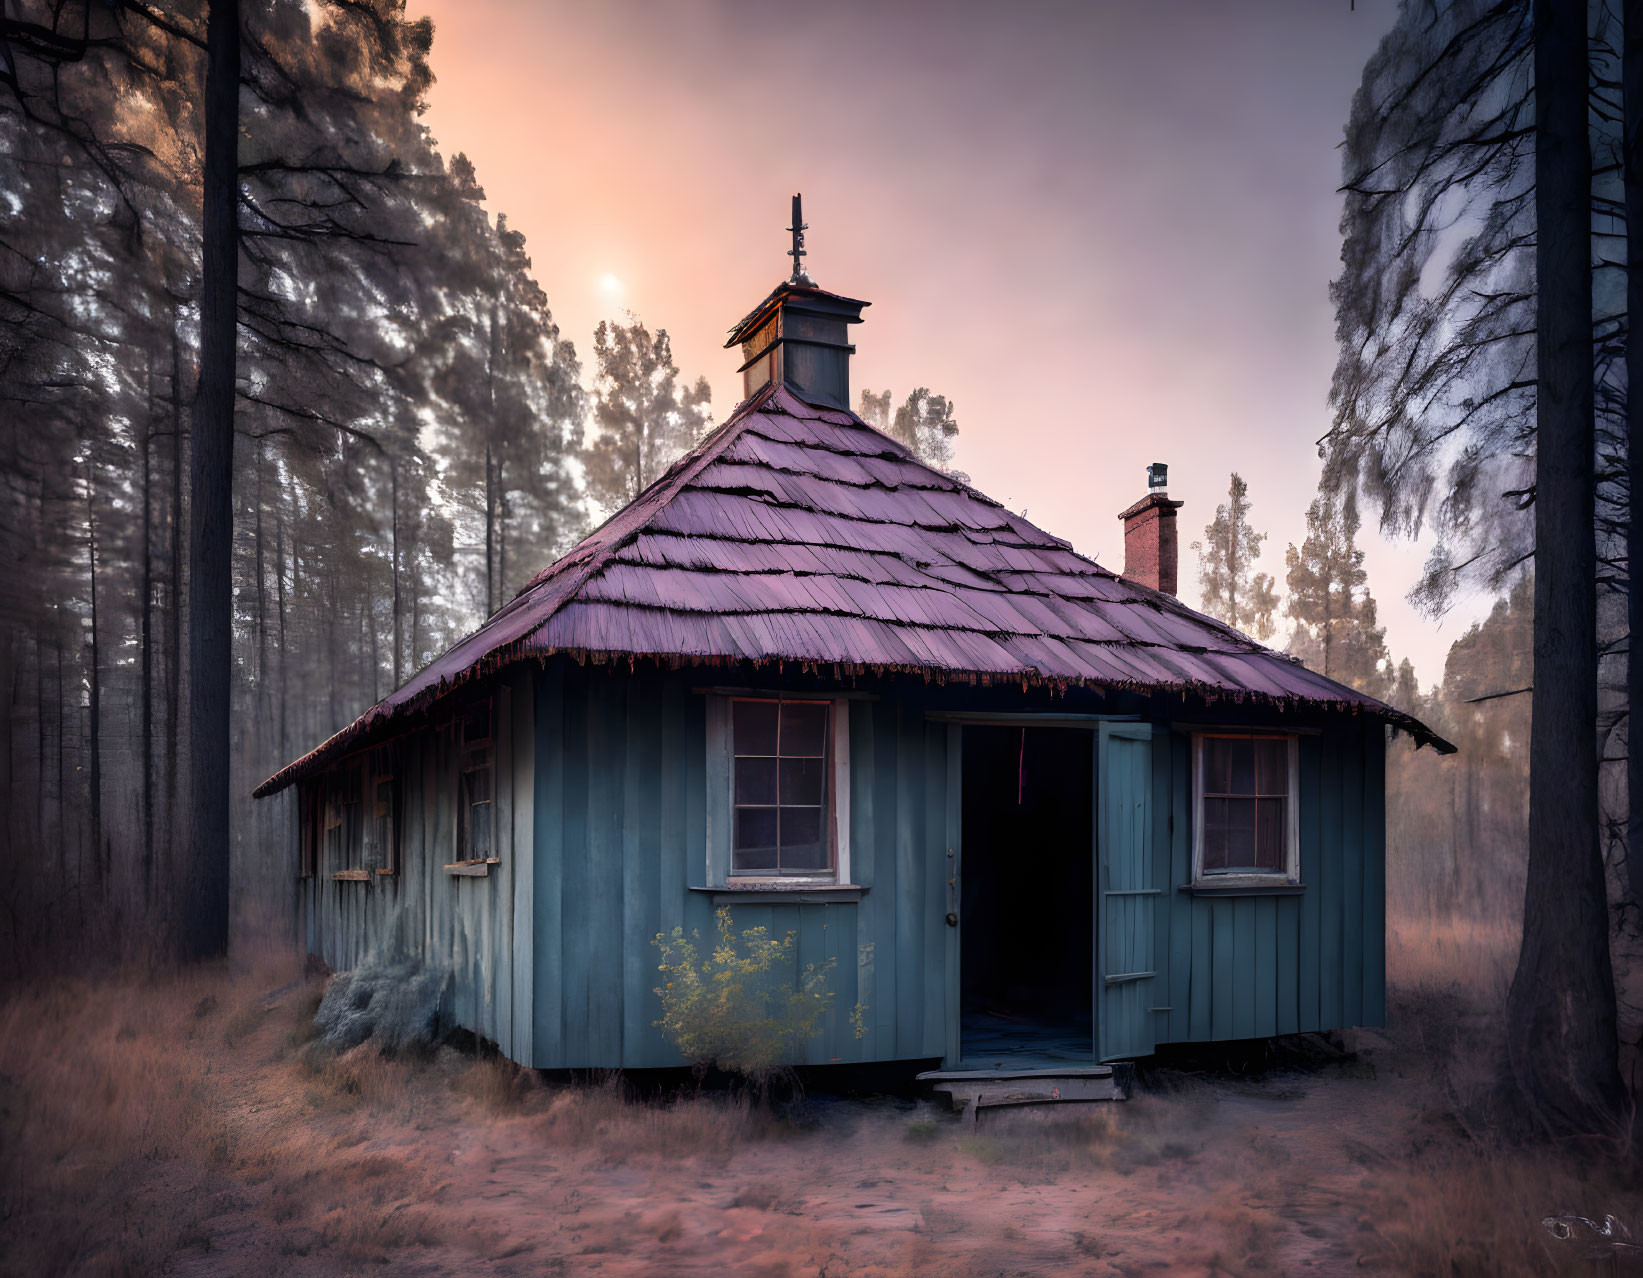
1034,810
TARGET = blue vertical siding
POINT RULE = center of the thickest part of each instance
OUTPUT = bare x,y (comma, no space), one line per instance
602,792
477,930
620,820
1257,966
603,787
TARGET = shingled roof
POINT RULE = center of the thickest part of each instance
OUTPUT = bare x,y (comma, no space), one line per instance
802,535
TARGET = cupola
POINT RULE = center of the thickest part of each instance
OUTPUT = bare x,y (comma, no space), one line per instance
800,334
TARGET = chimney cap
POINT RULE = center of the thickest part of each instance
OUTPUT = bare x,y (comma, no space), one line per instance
1157,476
810,297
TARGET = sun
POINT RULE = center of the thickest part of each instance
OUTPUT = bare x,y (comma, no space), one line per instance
609,283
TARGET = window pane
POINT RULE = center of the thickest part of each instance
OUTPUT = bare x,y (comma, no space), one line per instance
804,729
755,781
755,840
354,830
802,780
1271,834
1240,834
1229,765
803,849
1217,766
1272,766
479,831
1215,835
754,727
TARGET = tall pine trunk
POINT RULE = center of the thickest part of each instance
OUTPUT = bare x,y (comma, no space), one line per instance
174,632
204,922
146,623
491,434
1561,1028
94,691
399,612
1631,78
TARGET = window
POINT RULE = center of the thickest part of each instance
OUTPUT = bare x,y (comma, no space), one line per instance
475,830
309,809
1246,823
342,840
781,819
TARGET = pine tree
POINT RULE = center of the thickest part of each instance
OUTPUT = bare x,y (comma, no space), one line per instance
644,417
1406,689
1225,556
1330,603
875,410
925,423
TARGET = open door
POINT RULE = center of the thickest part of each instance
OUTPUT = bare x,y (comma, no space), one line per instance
1126,897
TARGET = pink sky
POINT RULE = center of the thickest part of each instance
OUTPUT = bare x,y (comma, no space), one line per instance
1106,231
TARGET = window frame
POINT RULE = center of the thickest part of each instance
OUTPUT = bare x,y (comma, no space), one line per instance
722,874
1290,875
475,754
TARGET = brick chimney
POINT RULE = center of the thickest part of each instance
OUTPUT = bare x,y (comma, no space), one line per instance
1151,546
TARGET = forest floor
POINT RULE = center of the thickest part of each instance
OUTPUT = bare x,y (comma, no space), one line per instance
189,1124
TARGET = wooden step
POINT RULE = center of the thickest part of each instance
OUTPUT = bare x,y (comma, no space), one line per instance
971,1091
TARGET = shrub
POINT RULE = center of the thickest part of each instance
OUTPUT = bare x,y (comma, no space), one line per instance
736,1006
395,1004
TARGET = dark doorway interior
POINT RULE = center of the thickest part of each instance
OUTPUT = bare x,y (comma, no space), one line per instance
1027,929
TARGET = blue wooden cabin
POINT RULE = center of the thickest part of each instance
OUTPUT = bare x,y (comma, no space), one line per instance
1031,808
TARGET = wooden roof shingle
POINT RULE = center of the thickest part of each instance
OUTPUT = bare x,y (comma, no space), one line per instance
801,534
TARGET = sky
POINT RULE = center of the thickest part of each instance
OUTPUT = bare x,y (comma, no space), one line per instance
1105,230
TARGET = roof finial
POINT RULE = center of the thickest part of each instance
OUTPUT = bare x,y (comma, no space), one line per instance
798,251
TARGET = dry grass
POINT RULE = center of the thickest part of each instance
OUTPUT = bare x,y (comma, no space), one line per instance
1456,1198
1469,957
175,1123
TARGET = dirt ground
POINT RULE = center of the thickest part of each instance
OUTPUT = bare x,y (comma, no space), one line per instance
188,1124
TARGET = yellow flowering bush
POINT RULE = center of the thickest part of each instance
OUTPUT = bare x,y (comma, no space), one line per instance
737,1005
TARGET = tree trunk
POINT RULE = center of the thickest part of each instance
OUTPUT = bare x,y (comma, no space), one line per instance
146,624
174,622
279,602
1561,1028
490,482
94,691
204,920
260,560
1631,77
501,532
399,634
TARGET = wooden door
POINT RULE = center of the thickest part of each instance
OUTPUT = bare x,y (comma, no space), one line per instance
1126,896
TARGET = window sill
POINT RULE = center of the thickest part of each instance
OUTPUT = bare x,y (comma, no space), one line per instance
472,869
351,876
778,893
1243,887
